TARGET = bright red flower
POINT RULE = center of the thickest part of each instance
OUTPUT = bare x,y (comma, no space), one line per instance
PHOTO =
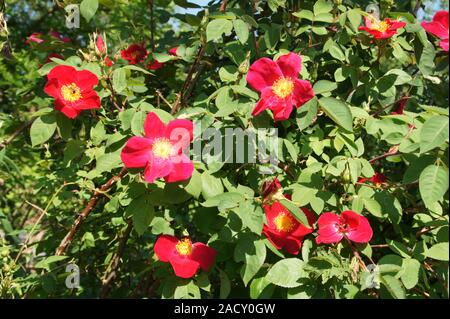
280,87
377,179
134,54
184,256
173,51
160,152
283,230
354,227
381,29
72,89
154,65
439,28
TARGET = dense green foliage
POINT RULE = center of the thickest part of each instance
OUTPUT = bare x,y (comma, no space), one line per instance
52,167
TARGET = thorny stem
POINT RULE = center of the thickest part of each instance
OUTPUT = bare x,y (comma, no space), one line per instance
67,240
188,83
111,270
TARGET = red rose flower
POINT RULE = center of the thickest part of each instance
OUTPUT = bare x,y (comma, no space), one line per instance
173,51
279,85
184,256
134,54
377,179
354,227
72,89
439,28
160,152
154,65
381,29
283,230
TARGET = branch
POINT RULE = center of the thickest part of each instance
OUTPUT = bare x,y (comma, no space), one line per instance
387,154
423,231
188,82
110,273
15,134
67,240
223,6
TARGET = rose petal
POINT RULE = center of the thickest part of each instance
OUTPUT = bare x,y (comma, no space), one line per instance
204,255
136,152
153,126
182,169
290,64
263,73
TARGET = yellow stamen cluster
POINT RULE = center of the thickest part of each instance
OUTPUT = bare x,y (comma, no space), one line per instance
380,26
162,148
283,222
71,92
184,247
283,87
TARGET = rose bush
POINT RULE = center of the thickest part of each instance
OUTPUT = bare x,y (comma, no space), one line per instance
101,126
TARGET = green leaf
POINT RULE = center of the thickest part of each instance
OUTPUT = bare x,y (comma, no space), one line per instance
275,4
433,184
410,274
426,59
137,123
324,86
291,150
434,133
355,19
307,113
253,261
107,162
252,216
258,286
194,187
119,80
286,273
322,6
337,53
394,286
211,186
46,262
225,285
304,14
438,252
42,129
98,133
216,28
88,8
241,29
297,212
226,200
142,211
338,111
